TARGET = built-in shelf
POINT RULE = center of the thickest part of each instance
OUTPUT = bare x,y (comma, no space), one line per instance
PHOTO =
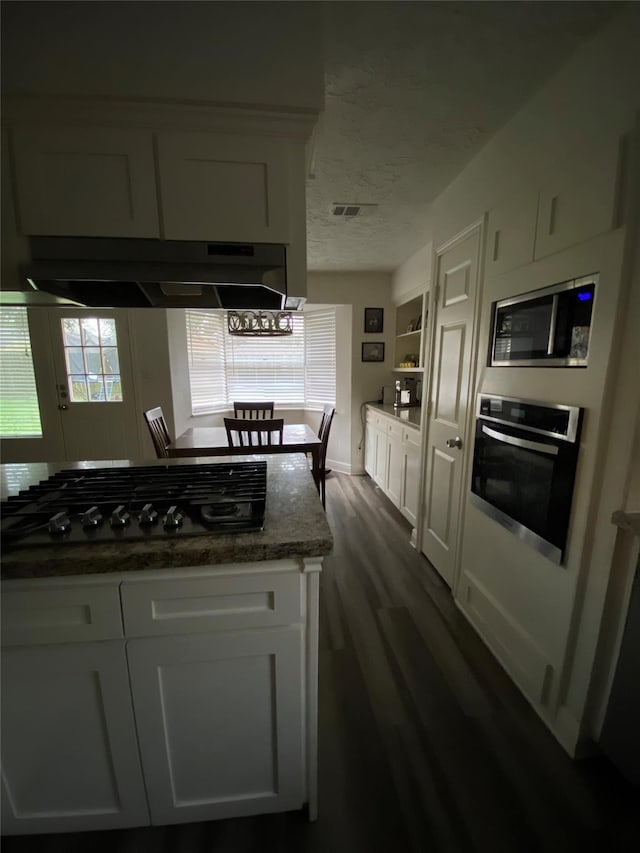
410,323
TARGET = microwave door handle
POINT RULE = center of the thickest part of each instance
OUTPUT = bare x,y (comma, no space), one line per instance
549,449
551,343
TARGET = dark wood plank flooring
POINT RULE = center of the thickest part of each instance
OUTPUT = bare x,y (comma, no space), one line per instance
425,744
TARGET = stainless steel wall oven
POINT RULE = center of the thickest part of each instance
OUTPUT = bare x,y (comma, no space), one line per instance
524,466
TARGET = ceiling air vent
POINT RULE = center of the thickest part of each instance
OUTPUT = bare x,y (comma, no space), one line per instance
348,211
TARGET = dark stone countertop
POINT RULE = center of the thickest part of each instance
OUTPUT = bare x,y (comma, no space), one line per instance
410,415
295,526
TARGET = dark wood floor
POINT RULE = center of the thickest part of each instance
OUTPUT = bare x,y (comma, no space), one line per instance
425,744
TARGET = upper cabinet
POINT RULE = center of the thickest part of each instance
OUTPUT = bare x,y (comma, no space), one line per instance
511,232
410,325
575,203
410,293
173,172
580,202
233,187
85,181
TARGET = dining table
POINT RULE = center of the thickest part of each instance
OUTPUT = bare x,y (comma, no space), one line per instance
213,441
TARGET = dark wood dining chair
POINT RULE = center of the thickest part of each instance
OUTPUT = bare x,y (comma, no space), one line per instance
323,435
159,431
257,432
253,410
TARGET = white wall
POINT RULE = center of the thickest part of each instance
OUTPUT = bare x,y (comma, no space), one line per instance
251,53
413,276
151,369
541,620
359,290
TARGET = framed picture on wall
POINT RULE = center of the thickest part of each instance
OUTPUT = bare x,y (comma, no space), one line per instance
373,351
373,319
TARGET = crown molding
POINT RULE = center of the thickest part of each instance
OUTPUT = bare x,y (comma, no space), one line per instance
296,124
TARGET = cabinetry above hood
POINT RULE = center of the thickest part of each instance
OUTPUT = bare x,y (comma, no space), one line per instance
149,273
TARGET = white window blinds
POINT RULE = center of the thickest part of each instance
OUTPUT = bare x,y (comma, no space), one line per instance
293,370
267,368
19,410
320,360
205,346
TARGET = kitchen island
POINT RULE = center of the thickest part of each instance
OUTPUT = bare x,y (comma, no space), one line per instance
163,681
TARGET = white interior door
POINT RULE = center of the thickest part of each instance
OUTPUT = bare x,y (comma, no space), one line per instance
94,384
457,275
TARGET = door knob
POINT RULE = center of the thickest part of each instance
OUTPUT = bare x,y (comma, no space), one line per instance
62,407
454,442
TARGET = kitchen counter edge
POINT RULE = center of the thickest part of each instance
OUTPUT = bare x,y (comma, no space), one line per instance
409,415
295,526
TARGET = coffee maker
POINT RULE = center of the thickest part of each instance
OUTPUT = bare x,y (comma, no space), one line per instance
407,392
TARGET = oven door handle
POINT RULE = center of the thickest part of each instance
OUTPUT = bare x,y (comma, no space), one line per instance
549,449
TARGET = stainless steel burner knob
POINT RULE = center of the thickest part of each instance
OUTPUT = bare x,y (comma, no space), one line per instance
119,518
91,518
59,523
173,518
148,515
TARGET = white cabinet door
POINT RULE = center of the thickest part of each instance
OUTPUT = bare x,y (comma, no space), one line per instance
511,232
85,181
579,203
69,751
370,448
224,188
219,722
410,475
394,463
382,445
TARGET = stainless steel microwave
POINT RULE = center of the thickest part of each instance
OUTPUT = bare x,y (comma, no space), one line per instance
549,327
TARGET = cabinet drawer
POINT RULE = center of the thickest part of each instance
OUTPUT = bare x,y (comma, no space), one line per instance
223,602
61,614
411,437
394,428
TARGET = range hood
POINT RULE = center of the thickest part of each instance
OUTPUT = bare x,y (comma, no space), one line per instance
142,273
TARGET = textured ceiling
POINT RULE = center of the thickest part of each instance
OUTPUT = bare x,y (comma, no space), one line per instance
413,90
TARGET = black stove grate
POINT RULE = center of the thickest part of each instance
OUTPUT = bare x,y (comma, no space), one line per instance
137,503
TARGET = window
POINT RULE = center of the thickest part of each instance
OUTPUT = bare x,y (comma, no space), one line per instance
19,410
205,347
294,370
320,357
91,359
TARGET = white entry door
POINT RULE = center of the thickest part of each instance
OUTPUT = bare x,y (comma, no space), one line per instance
457,276
94,384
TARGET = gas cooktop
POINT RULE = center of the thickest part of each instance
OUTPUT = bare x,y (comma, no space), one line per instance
135,504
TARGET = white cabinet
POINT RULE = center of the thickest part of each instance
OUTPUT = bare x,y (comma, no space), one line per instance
394,467
578,203
69,749
85,181
219,722
370,447
192,690
410,479
175,172
382,446
223,187
392,460
511,230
